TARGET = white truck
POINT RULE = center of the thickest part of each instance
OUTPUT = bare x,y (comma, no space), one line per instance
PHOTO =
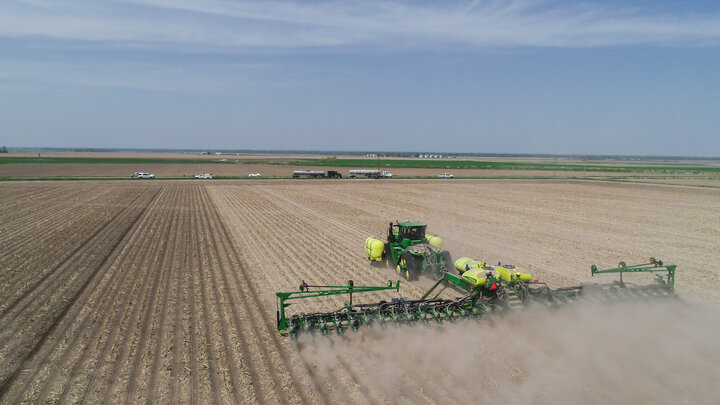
446,176
204,176
370,173
143,175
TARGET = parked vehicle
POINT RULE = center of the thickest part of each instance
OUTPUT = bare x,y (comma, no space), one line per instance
143,175
256,174
446,176
204,176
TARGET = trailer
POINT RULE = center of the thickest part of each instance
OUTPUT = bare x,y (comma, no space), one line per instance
308,173
369,173
332,174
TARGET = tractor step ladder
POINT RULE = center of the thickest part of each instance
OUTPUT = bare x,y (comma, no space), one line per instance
513,301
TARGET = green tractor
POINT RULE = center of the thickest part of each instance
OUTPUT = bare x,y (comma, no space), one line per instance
410,250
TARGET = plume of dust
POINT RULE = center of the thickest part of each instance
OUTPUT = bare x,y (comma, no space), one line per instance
632,352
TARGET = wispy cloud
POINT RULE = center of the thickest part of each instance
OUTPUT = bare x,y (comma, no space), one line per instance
236,26
206,78
166,31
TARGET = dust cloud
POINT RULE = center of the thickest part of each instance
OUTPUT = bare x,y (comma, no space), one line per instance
633,352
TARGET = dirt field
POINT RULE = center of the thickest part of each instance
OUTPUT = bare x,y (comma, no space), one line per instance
167,170
163,292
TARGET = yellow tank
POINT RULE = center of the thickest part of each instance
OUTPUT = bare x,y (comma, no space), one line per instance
374,248
503,273
434,241
513,275
462,264
475,276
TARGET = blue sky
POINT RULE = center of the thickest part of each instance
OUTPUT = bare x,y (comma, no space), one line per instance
609,77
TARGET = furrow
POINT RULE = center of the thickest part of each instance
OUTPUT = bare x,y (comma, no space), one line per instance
298,380
122,374
50,280
74,358
204,272
106,354
45,344
233,338
47,223
133,393
60,252
164,353
195,319
252,351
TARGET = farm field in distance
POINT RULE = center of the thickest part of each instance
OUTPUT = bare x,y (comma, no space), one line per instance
164,291
119,165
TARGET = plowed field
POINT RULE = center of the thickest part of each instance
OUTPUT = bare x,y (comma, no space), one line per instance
163,292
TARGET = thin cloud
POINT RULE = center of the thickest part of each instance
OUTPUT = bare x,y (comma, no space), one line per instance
202,79
237,26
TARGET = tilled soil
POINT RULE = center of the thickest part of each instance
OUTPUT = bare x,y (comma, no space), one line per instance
163,292
189,170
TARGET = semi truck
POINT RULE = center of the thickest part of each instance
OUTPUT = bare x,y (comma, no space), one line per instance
369,173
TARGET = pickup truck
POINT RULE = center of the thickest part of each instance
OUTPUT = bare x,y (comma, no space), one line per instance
204,176
446,176
143,175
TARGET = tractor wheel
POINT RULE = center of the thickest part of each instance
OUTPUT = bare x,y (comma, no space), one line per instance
408,260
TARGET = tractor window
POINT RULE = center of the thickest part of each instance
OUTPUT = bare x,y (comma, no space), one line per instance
413,232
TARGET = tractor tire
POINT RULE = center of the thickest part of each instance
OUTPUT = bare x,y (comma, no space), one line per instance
410,265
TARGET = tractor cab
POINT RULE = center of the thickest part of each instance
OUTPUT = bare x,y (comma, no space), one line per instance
408,233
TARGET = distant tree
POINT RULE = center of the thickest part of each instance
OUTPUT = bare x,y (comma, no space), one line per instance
3,149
